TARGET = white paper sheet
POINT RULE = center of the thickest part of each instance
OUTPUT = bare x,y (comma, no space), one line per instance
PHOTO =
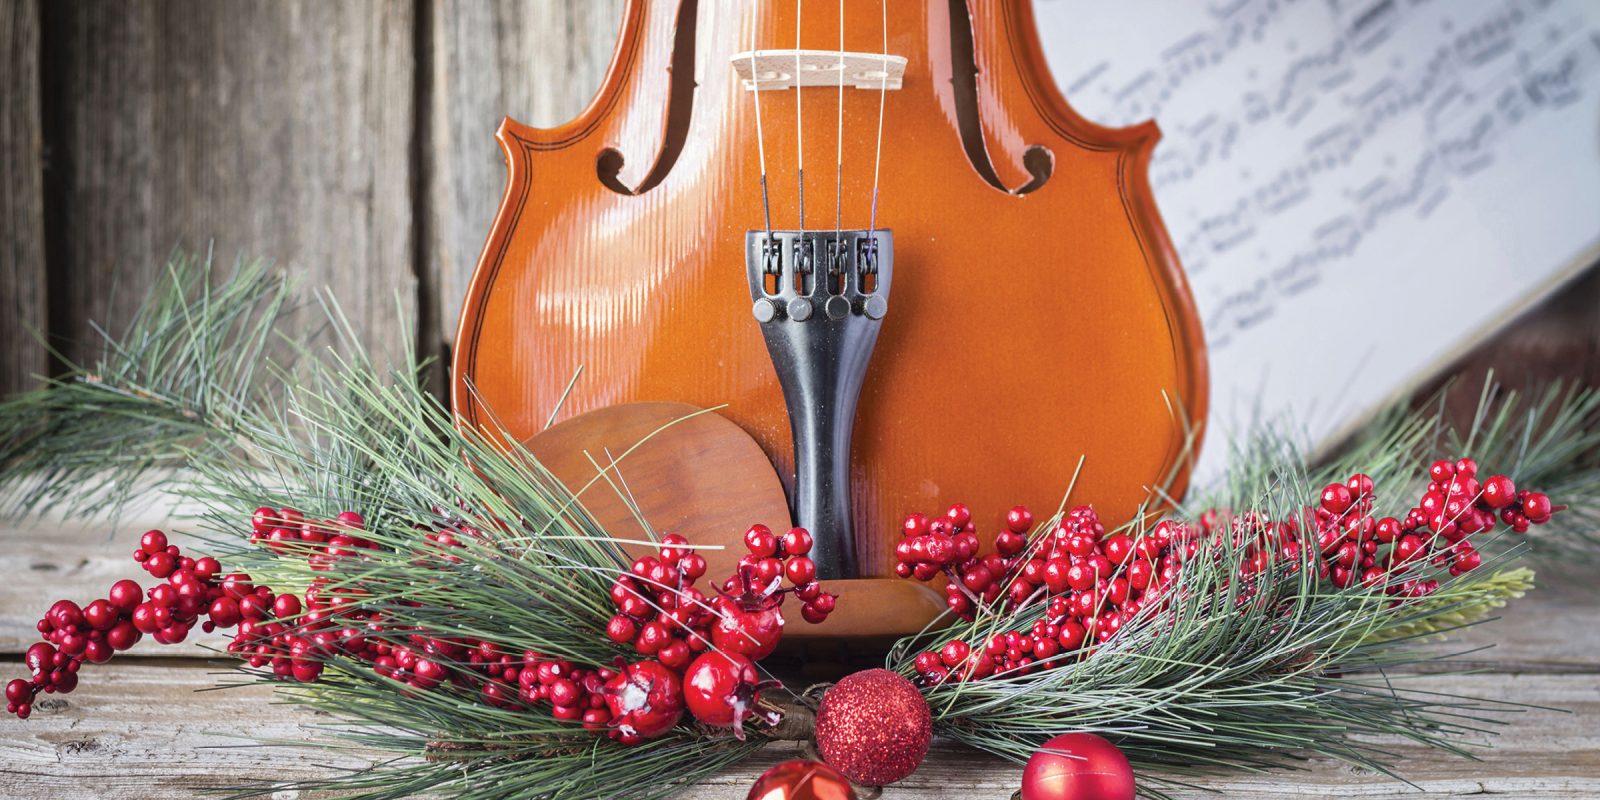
1357,189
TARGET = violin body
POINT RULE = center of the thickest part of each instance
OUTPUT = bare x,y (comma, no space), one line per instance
1039,313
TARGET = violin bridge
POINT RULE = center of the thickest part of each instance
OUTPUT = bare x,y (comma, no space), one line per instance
775,69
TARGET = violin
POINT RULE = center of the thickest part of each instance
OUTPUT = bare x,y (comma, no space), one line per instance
720,225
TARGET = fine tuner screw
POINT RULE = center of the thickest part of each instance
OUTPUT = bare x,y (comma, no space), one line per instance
783,275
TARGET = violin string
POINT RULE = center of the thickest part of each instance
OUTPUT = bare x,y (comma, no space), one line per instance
799,129
761,148
883,86
838,153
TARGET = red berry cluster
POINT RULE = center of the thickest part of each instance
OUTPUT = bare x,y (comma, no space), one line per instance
287,531
504,680
948,545
662,614
1454,506
194,588
706,649
1093,583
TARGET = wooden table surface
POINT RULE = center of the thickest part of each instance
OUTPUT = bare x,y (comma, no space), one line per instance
139,727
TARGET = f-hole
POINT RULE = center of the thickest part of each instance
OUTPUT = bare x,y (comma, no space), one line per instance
1039,161
680,106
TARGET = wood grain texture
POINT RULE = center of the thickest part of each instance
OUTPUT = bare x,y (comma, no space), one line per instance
140,728
22,265
276,130
538,61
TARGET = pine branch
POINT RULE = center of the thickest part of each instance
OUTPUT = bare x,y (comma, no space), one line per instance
1235,674
186,370
1549,438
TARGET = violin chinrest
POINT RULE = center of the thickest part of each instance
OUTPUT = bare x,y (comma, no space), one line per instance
696,473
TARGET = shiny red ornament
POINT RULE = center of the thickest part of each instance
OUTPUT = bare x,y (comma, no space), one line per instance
1078,766
801,780
874,726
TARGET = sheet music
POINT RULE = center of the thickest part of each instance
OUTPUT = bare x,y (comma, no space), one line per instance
1357,188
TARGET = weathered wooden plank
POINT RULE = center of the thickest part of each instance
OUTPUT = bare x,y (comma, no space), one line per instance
138,728
1550,630
22,275
142,728
276,130
538,61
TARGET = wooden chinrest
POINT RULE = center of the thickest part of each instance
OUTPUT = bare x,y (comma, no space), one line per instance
696,473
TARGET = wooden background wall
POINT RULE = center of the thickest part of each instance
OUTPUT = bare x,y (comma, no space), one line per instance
350,142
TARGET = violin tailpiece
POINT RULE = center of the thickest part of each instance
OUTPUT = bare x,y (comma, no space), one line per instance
820,298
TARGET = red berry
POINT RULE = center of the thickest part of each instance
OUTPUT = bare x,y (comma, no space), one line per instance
1499,492
1019,519
123,636
797,542
1336,498
721,689
100,615
916,524
940,549
754,633
800,570
1360,485
153,541
676,655
1056,574
285,606
958,515
976,579
1009,543
1119,548
1080,576
760,541
954,652
621,629
645,700
768,570
1536,507
693,566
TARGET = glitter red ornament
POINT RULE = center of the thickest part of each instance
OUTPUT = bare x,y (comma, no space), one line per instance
801,780
1078,766
874,726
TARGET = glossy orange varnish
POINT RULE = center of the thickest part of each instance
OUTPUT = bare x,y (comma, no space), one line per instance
1023,331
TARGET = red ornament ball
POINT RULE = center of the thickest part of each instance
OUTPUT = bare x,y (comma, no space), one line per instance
874,726
1078,766
801,780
